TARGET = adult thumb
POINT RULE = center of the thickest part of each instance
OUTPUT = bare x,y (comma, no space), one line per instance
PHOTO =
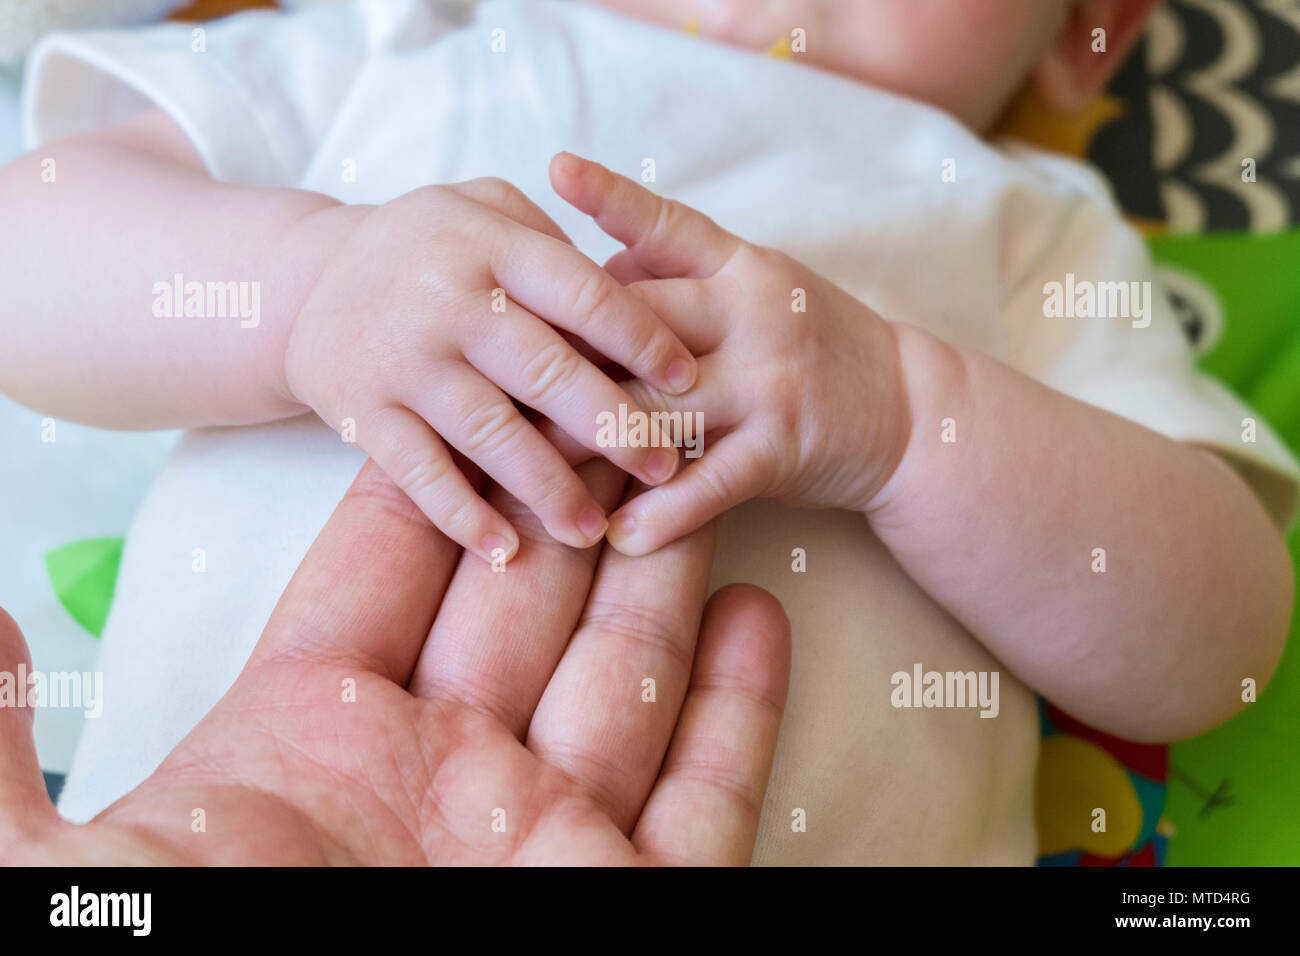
24,805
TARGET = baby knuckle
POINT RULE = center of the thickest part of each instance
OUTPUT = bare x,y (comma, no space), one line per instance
551,373
514,203
488,428
498,191
644,395
556,492
767,259
668,220
418,474
463,515
593,297
423,200
652,347
782,382
420,194
771,270
498,186
523,518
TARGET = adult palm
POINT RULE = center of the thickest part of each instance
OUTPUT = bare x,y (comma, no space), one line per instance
407,705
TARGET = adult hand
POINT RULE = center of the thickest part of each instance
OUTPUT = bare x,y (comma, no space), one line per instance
404,707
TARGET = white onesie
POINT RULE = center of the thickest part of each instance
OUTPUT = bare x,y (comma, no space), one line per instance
891,199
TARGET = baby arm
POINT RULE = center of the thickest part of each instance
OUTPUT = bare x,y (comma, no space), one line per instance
413,325
835,407
130,206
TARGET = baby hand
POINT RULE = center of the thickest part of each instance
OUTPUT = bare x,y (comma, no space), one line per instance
800,386
437,308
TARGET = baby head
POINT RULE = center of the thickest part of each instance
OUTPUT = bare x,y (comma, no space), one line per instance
967,56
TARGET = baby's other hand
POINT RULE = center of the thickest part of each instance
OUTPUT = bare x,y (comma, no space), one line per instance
433,312
800,388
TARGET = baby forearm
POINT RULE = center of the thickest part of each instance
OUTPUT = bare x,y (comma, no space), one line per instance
1008,513
138,292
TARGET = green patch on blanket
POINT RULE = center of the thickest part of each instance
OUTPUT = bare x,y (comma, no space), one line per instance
1232,792
84,575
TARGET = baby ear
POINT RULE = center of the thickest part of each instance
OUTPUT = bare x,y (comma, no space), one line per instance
1096,37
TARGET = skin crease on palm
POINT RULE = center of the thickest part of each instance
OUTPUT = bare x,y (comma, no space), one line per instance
448,755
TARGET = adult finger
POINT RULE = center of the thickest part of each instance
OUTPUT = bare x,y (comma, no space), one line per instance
24,806
366,593
609,711
705,807
499,634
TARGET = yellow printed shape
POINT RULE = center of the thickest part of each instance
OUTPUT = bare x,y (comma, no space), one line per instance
1075,776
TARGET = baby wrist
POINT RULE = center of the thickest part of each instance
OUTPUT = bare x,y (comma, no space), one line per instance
932,374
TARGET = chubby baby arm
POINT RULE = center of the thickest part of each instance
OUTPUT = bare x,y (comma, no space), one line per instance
94,226
834,407
409,326
1002,526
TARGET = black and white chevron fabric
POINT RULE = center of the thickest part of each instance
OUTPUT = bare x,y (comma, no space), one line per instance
1214,89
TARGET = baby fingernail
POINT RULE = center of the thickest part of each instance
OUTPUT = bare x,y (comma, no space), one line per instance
680,374
622,532
660,465
497,546
592,523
